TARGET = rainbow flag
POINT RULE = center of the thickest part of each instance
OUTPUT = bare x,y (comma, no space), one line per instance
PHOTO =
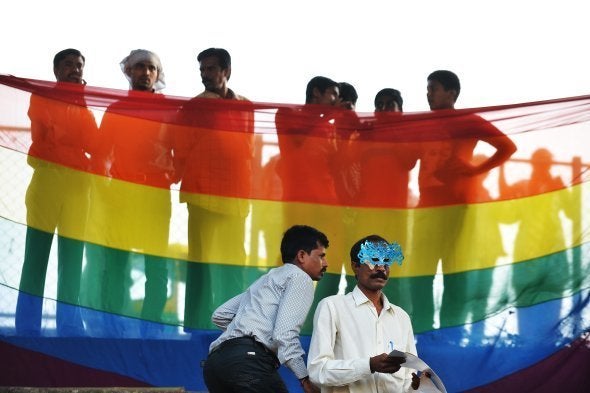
126,218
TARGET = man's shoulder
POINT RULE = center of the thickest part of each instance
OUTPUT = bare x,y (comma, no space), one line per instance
288,276
211,94
235,96
337,300
206,94
241,98
119,107
400,312
288,269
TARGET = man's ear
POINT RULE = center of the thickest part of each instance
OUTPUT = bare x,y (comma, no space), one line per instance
300,256
355,269
455,94
316,92
228,73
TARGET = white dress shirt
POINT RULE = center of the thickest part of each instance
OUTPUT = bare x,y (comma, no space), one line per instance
347,332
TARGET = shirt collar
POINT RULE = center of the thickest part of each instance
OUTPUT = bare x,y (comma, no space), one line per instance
360,298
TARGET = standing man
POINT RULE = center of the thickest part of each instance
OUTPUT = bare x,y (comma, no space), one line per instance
57,198
389,100
215,164
348,96
385,161
353,333
448,174
348,125
532,228
310,169
261,326
134,217
307,141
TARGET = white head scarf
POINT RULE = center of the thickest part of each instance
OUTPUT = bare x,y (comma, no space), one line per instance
138,55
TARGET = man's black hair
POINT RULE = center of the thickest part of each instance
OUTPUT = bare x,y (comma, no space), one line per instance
221,54
393,93
301,237
348,92
62,54
321,83
448,79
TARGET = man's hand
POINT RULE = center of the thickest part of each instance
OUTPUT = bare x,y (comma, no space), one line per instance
416,379
386,364
309,387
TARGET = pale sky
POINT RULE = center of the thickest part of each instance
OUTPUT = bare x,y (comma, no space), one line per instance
504,51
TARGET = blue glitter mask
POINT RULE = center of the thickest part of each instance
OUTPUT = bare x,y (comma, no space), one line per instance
380,254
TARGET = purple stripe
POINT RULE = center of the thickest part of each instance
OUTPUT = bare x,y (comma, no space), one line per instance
565,371
23,367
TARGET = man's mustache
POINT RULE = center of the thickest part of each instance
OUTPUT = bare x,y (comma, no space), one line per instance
379,274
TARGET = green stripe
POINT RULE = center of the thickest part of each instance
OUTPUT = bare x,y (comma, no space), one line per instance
470,296
210,285
207,286
474,295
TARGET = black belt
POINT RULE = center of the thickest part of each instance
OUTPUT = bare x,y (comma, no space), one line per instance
248,340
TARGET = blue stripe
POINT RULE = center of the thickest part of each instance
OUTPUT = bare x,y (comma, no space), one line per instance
468,361
463,361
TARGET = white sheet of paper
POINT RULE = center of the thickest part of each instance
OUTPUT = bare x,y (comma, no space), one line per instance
431,385
427,385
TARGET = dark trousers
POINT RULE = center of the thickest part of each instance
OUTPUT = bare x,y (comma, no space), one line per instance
242,365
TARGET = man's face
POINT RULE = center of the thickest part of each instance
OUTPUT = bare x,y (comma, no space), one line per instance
351,106
438,97
212,76
371,279
331,96
385,103
144,75
314,263
70,69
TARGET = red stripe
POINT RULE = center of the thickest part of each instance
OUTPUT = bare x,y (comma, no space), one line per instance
215,151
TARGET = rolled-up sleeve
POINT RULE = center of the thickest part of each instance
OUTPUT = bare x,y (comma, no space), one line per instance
293,309
224,314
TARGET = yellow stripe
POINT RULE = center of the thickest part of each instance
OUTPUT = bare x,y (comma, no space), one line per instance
15,176
495,233
475,248
466,237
